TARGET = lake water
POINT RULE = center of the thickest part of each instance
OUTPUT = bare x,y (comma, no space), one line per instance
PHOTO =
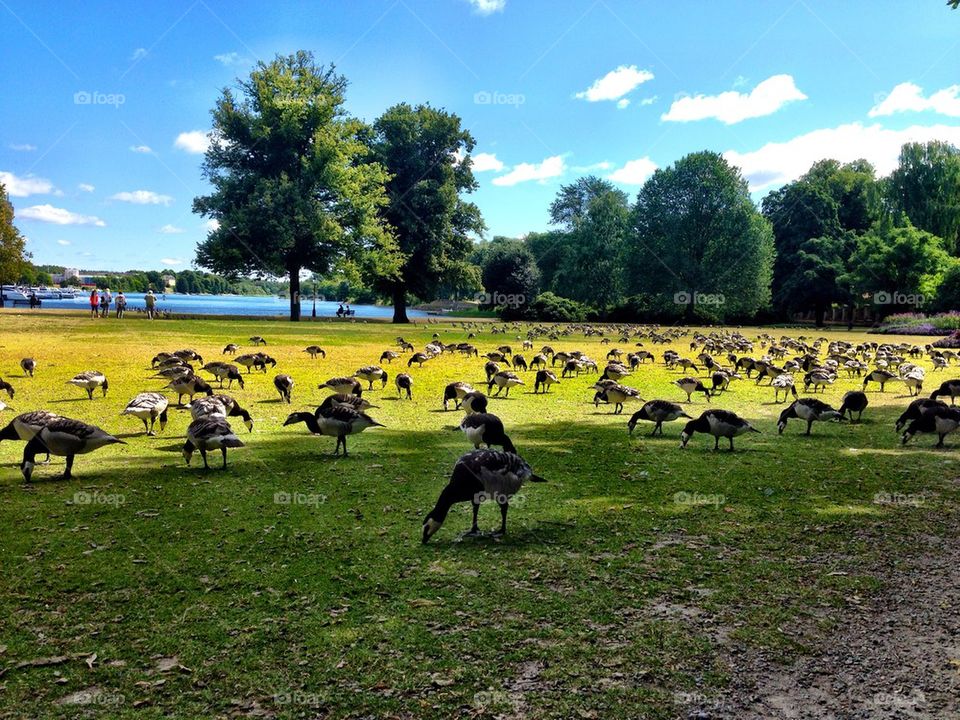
233,305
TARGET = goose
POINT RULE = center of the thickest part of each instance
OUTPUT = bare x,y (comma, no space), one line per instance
177,371
490,369
719,423
913,379
26,425
809,409
354,401
339,421
258,361
504,379
615,371
474,402
785,383
496,357
571,368
519,361
486,428
371,373
917,408
189,385
224,371
691,385
343,385
455,391
721,381
389,356
314,350
89,381
64,437
284,386
617,394
818,379
505,349
7,388
854,401
686,364
187,354
941,421
257,340
478,475
222,405
882,377
539,360
150,406
210,432
404,384
230,349
172,363
28,366
419,358
162,357
659,412
949,387
544,379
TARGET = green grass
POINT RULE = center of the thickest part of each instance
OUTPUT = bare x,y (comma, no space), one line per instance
606,598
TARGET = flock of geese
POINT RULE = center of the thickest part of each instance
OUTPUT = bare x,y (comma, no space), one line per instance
716,361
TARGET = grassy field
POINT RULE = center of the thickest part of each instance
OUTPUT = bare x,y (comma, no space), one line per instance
144,588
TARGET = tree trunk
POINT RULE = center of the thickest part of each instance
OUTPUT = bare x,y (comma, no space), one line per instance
400,304
295,294
819,311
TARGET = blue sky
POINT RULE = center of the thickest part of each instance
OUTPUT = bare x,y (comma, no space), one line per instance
106,104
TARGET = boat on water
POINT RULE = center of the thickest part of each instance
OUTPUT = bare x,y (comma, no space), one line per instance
12,293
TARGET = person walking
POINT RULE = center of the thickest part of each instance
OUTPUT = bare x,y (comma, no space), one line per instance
105,299
121,304
151,301
94,303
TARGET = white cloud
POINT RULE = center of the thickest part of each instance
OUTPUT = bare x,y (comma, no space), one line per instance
623,103
145,149
26,186
907,97
138,54
195,142
603,165
524,172
615,84
778,163
171,230
488,7
22,147
142,197
211,225
86,187
634,172
171,261
58,216
63,242
649,100
231,58
484,162
733,107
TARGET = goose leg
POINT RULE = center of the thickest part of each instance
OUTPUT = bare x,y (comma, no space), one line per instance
504,506
731,443
809,425
716,443
145,426
224,451
203,454
474,529
69,468
90,393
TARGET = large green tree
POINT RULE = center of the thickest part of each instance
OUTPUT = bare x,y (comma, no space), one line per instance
926,186
426,153
292,186
13,256
509,272
699,242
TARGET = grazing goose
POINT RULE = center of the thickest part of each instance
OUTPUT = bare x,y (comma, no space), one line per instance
659,412
371,373
343,385
339,421
939,420
404,384
162,358
615,371
150,406
913,379
455,391
809,409
615,393
539,361
224,371
721,381
89,381
28,366
173,363
258,361
474,402
882,377
690,385
187,355
818,379
349,399
189,385
490,369
222,405
917,408
504,379
315,350
64,437
854,401
477,476
389,356
210,432
419,358
284,386
26,425
519,361
544,379
785,383
257,340
950,388
7,388
486,428
496,357
230,349
719,423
